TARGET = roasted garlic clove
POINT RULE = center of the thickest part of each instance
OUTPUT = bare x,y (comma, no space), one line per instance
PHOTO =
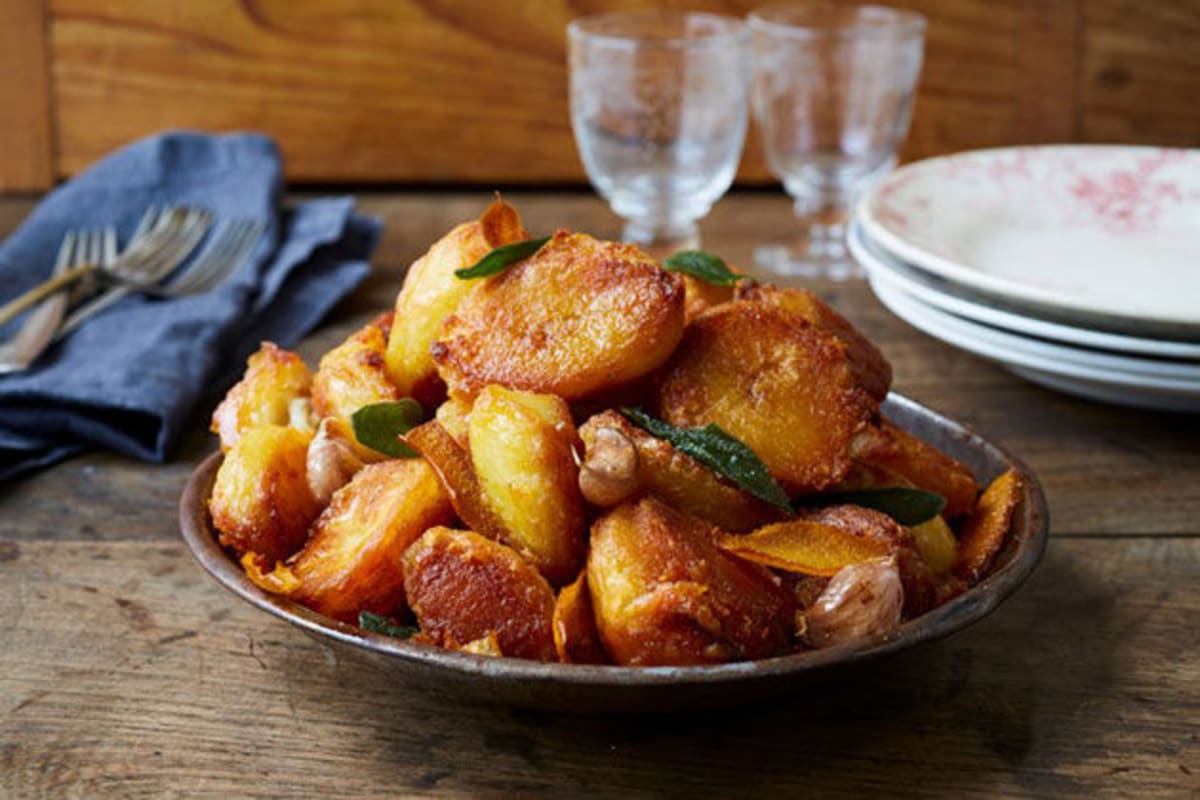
609,473
862,601
332,462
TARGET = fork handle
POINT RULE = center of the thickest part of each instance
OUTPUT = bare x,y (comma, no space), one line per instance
15,306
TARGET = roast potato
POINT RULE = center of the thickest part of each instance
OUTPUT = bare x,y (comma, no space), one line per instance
521,449
984,532
888,449
431,292
577,318
274,377
656,467
870,368
352,561
774,381
260,500
664,594
699,296
575,636
464,587
352,375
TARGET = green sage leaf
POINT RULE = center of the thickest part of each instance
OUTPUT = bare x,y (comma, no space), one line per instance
906,506
720,452
704,266
500,258
374,623
379,426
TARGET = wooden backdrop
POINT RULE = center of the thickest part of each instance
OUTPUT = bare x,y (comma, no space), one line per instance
474,91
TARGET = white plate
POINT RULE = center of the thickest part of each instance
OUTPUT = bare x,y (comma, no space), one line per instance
946,296
1105,231
1030,359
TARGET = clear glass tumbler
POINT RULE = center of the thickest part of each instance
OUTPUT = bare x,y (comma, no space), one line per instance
659,107
833,91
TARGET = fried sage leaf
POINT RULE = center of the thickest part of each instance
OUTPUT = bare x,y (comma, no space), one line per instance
379,425
906,506
720,452
501,258
374,623
702,265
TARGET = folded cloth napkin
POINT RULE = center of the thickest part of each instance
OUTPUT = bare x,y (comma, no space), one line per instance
131,378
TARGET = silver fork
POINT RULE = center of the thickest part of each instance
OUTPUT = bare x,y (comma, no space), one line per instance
82,246
224,254
151,258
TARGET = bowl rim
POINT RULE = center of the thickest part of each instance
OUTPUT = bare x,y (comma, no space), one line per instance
960,612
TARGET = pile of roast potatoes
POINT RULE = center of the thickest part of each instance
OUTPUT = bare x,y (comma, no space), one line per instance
537,521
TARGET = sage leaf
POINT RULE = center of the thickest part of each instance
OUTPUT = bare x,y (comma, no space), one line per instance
906,506
374,623
379,426
500,258
720,452
704,266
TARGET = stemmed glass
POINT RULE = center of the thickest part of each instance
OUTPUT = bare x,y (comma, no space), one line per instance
833,94
659,109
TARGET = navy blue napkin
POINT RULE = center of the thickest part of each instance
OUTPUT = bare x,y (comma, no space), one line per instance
131,378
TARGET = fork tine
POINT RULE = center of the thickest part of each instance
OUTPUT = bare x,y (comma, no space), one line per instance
110,246
213,260
149,218
63,259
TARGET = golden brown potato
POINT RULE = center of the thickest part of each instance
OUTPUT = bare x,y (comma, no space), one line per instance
454,416
659,469
521,449
870,368
260,501
352,561
664,594
577,318
920,585
463,587
575,636
352,375
699,296
274,378
889,449
984,532
452,462
774,381
431,292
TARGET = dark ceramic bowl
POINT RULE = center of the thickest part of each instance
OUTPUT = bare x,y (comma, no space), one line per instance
571,687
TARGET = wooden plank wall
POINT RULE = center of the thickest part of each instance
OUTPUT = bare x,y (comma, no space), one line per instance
430,91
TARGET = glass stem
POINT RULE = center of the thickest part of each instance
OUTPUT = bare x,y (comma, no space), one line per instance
824,218
660,240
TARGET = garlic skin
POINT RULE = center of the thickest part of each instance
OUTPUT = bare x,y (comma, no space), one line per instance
609,473
862,601
332,462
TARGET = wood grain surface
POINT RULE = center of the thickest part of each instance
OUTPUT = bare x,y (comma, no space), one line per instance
126,672
475,92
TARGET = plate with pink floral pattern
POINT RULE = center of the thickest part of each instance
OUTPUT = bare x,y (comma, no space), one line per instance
1100,232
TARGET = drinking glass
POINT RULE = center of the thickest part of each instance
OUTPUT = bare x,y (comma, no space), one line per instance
659,107
833,91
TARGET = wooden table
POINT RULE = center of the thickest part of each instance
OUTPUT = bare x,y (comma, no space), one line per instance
125,671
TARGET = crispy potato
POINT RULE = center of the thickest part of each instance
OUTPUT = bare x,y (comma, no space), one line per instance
575,636
805,546
782,386
577,318
870,368
274,377
664,594
454,416
521,450
674,477
352,561
699,296
891,450
431,292
920,585
260,501
984,532
352,375
452,462
464,587
936,544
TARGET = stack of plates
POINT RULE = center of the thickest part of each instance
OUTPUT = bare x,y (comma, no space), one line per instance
1076,267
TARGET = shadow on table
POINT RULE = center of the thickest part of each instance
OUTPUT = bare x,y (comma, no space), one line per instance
1007,700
